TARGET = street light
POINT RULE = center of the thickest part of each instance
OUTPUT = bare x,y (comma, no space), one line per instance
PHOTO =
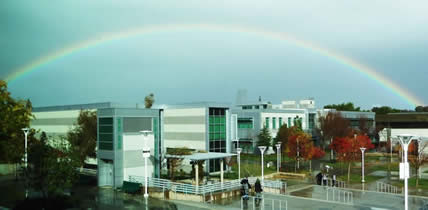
405,140
26,130
362,163
278,152
146,154
239,150
262,150
298,154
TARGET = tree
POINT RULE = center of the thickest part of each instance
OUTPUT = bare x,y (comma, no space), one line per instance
421,109
264,138
417,156
385,110
176,159
52,168
343,107
149,101
83,138
333,125
299,146
348,148
14,115
314,154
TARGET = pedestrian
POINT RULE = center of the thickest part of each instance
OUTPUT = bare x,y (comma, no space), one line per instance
324,179
259,190
245,187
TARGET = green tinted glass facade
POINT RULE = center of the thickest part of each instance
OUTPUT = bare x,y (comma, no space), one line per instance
217,134
280,122
267,122
274,122
105,134
245,123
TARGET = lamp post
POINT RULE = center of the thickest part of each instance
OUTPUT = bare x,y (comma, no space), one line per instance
239,150
262,150
26,130
146,155
362,163
278,152
405,140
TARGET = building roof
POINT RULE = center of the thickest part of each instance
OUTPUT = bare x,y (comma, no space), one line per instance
73,107
198,105
202,156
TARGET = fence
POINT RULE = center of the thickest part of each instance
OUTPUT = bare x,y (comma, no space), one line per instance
342,196
333,183
254,202
203,189
386,188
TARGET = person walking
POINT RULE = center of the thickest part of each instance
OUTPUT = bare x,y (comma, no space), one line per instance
245,188
259,190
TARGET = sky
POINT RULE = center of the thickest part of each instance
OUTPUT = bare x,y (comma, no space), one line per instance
200,64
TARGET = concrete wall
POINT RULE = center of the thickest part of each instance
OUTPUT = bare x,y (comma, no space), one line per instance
185,127
133,161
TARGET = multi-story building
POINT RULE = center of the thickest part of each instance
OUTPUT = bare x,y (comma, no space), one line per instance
199,126
120,144
393,124
252,117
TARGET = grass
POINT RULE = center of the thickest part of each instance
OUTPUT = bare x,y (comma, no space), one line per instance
423,183
355,178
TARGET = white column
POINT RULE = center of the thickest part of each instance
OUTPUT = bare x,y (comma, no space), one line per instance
146,155
26,130
197,174
262,150
278,161
362,163
221,171
239,150
406,198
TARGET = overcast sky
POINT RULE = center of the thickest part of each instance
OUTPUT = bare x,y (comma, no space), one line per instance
204,65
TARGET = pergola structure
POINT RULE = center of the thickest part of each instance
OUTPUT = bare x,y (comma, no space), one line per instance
197,156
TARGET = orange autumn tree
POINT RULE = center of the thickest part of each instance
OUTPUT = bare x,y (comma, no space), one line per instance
348,148
300,145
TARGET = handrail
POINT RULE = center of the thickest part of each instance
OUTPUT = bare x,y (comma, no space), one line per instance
201,189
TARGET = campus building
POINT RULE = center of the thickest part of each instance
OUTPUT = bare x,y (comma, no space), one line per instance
204,127
56,121
393,124
120,144
252,117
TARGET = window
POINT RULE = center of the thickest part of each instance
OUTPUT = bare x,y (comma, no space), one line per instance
289,122
267,122
105,133
217,134
256,107
280,122
245,123
274,122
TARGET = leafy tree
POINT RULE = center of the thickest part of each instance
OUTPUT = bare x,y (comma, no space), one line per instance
417,156
83,138
149,101
421,109
314,154
385,110
52,169
14,115
343,107
299,146
176,159
333,125
264,138
348,148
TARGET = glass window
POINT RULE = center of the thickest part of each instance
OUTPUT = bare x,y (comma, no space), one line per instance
280,122
274,122
267,122
289,122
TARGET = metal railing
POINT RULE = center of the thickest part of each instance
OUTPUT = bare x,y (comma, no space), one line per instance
386,188
254,202
203,189
341,196
333,183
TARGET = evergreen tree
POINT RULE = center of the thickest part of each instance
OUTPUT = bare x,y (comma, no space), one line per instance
264,138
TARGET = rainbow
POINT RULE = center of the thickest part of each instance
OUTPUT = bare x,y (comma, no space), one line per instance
109,37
